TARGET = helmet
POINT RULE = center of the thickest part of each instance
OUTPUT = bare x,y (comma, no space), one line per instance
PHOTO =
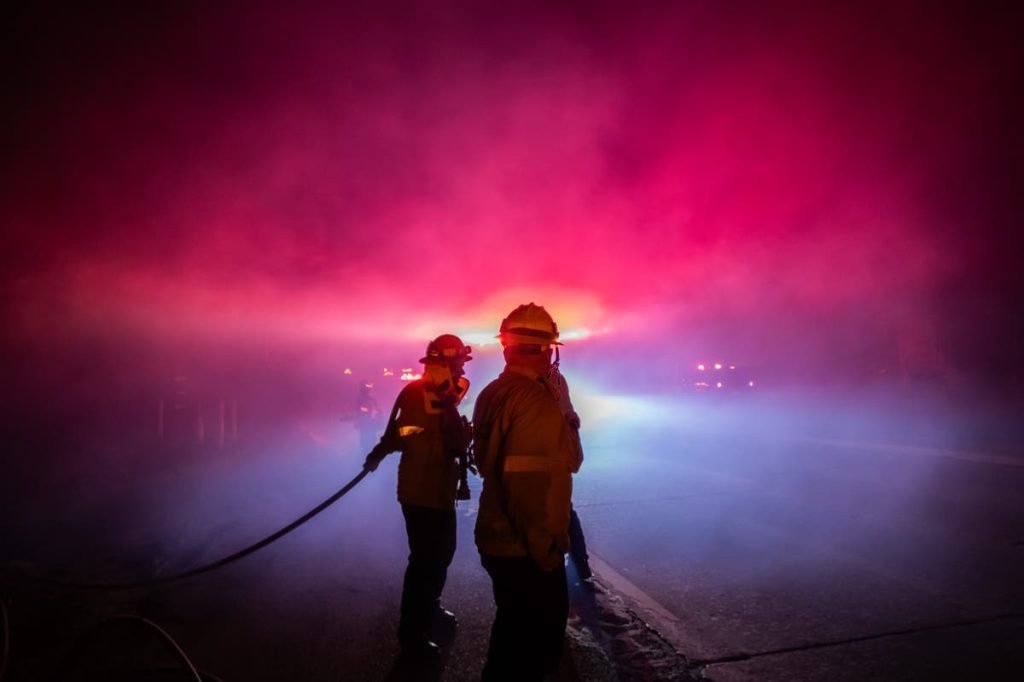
446,349
529,324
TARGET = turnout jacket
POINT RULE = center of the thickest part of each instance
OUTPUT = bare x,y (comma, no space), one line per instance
430,433
526,454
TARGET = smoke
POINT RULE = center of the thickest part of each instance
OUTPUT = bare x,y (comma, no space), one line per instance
220,219
822,188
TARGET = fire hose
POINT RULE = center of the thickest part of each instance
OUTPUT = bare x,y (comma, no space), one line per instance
186,664
206,568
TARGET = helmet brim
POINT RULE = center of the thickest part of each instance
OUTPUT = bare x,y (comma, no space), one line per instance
445,361
512,339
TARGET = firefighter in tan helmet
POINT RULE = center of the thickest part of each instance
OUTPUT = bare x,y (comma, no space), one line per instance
526,452
433,438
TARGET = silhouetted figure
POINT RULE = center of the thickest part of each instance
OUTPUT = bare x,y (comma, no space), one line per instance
526,453
367,416
426,427
577,543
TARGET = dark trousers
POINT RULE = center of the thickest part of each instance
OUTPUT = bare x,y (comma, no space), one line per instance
431,548
529,625
578,543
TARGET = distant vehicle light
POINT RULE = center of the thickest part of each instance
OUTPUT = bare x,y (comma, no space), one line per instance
410,376
728,378
388,372
347,371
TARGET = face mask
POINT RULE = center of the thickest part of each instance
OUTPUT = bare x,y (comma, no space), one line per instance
440,376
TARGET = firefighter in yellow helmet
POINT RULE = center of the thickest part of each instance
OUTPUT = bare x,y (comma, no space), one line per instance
526,452
433,438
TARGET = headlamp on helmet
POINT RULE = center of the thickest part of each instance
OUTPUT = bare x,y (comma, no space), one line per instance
447,349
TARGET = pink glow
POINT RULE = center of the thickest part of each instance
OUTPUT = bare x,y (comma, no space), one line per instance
728,182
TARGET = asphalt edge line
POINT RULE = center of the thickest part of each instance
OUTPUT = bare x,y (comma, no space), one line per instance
652,618
657,616
740,657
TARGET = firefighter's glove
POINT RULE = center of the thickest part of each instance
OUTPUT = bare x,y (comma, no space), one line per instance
372,461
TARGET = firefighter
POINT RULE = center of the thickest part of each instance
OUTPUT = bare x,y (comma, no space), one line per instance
526,453
577,541
367,416
433,438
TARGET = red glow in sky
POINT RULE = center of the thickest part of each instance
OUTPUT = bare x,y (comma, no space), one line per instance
677,170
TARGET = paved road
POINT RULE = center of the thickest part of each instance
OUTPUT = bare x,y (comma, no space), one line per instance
751,543
764,553
320,604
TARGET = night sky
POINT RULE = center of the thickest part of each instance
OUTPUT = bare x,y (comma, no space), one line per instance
769,181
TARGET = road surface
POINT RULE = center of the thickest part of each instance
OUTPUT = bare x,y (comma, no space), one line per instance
733,541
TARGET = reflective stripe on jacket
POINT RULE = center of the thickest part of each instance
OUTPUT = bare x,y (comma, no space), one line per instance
526,456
